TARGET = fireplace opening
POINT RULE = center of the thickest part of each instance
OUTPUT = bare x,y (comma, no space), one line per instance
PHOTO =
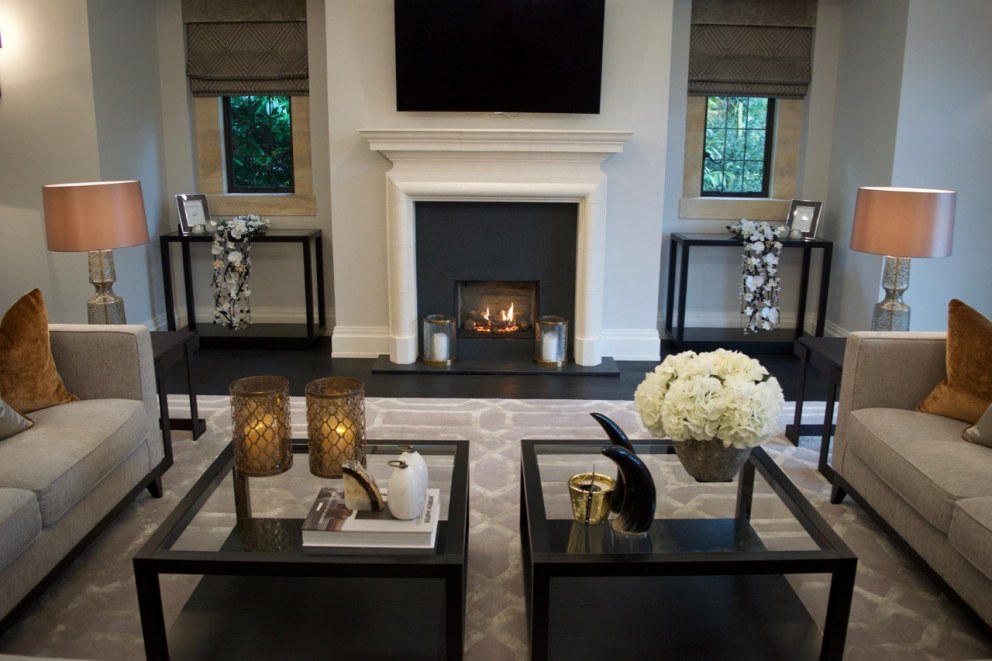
496,309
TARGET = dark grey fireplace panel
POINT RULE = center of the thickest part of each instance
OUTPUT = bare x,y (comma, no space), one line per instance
509,241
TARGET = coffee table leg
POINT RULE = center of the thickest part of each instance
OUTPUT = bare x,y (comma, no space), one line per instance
540,597
150,610
838,611
455,612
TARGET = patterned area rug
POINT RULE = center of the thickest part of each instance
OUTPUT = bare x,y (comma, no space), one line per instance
91,612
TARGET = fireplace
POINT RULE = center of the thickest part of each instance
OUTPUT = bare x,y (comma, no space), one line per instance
496,310
493,165
483,262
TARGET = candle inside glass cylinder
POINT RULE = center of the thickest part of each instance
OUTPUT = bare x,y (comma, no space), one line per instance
548,353
260,413
440,346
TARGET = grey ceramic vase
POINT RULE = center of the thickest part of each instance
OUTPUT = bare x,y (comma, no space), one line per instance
710,461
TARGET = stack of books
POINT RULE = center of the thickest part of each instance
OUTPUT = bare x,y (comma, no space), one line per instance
331,524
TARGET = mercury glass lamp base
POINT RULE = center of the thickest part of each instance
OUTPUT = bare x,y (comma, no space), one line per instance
105,307
891,313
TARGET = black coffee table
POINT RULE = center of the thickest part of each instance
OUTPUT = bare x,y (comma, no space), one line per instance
739,570
263,596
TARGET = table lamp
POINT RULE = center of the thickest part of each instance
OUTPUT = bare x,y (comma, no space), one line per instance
96,217
901,223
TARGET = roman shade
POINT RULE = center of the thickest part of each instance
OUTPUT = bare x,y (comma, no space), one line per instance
751,47
234,47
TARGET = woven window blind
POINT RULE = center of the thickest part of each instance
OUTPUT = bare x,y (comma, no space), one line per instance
240,47
751,47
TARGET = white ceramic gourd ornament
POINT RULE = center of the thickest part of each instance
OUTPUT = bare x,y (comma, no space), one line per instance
406,492
415,462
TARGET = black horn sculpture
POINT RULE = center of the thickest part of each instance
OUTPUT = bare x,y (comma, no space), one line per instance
639,497
619,439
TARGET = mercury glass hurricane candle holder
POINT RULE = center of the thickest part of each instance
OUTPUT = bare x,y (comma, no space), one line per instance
335,424
439,339
263,443
551,341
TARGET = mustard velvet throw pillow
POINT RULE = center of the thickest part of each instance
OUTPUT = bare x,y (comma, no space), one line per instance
28,378
967,391
981,433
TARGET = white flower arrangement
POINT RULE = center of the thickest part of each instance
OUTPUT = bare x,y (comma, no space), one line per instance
232,266
759,280
701,396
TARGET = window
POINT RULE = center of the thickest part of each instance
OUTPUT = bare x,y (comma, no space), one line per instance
785,117
737,151
213,171
258,144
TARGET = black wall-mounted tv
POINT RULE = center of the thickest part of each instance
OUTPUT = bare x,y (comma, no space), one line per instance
499,55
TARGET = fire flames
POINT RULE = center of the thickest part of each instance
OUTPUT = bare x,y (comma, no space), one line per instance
503,322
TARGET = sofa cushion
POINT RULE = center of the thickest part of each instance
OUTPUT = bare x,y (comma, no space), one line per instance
922,457
28,377
20,523
11,422
70,449
981,433
967,390
971,532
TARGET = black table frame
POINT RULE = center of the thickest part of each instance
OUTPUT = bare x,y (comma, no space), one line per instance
541,564
259,335
827,354
779,340
171,347
447,562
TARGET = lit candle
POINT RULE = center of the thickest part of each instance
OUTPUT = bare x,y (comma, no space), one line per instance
440,346
548,348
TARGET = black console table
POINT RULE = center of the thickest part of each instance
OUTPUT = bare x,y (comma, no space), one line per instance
776,341
264,335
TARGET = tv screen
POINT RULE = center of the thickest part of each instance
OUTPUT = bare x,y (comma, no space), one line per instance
499,55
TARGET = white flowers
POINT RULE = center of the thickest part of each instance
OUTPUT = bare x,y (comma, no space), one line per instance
232,265
720,394
759,281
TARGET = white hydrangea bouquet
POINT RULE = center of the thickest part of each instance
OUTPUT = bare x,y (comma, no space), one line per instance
232,266
760,279
715,395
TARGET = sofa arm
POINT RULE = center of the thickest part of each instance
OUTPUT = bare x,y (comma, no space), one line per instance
891,369
113,361
886,370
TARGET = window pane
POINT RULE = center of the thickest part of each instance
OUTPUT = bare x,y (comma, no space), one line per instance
736,158
259,144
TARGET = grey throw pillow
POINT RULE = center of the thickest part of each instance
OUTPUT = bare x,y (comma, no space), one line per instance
11,422
981,433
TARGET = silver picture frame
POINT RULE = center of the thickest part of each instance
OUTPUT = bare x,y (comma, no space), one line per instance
193,213
804,219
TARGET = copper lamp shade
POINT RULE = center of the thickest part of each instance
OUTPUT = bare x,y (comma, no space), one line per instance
901,223
96,217
904,222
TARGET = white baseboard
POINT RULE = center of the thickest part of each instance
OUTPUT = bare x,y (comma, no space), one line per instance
359,341
632,344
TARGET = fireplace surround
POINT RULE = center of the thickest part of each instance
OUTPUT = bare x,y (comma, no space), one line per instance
529,165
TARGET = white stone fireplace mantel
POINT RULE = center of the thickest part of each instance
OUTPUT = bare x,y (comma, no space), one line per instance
521,165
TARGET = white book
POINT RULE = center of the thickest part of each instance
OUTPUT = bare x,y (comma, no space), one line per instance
331,524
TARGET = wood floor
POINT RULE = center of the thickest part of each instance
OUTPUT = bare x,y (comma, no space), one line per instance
215,369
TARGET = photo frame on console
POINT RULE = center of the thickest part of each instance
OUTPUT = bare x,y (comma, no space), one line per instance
193,213
803,220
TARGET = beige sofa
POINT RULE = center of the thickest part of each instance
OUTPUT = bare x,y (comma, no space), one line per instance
62,480
912,470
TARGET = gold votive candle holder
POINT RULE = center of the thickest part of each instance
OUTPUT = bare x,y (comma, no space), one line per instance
551,341
335,424
590,494
262,435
